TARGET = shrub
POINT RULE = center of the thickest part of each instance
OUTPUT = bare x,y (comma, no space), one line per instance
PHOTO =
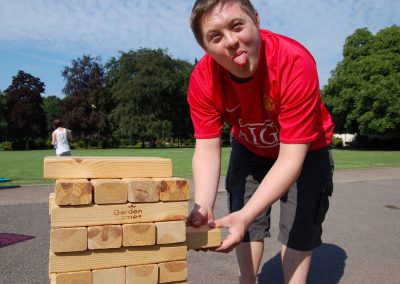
337,142
6,146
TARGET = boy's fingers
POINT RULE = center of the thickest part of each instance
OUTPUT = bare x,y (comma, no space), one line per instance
227,245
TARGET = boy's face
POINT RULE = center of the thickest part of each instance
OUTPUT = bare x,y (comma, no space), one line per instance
231,37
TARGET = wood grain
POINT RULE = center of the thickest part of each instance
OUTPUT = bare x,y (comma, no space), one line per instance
106,167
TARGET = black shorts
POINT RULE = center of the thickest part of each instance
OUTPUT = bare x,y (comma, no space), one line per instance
302,208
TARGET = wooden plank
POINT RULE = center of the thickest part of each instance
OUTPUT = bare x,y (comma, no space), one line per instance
106,167
52,203
142,274
108,276
171,232
68,239
172,271
73,192
128,213
109,191
142,190
100,259
81,277
141,234
104,237
203,237
173,189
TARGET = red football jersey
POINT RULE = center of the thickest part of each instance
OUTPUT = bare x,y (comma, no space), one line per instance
280,103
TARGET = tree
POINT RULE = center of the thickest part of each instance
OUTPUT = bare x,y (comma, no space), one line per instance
3,111
363,92
85,104
51,106
149,89
26,118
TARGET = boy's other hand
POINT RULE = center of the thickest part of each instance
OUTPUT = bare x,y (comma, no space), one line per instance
199,216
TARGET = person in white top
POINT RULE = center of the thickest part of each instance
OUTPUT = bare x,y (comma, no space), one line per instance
60,138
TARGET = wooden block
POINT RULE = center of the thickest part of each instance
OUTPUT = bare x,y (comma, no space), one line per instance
172,271
100,259
109,191
68,239
203,237
73,192
107,276
140,234
52,203
171,232
92,215
105,237
81,277
142,190
106,167
173,189
142,274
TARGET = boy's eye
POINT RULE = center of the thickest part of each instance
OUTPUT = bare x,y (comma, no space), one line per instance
215,38
237,27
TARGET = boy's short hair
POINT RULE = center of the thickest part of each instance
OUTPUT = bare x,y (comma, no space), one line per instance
203,8
57,123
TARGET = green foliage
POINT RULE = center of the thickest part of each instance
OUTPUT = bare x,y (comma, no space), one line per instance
51,106
363,93
149,90
26,119
3,121
337,142
6,146
84,107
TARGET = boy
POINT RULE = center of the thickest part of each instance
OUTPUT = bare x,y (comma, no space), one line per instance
266,87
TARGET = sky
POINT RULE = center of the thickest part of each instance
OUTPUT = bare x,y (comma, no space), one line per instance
41,37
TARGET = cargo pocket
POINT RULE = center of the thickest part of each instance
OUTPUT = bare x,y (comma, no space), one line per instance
323,202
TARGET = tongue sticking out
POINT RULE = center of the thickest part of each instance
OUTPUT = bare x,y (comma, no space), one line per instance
241,59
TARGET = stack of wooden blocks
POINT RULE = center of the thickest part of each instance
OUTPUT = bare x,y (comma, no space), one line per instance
120,220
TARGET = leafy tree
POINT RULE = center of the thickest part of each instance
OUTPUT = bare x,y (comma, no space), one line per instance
51,106
3,111
84,107
363,92
149,89
26,118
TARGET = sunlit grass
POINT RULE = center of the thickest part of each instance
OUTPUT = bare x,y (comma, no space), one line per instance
26,167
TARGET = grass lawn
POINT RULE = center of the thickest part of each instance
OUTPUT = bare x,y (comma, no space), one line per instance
26,167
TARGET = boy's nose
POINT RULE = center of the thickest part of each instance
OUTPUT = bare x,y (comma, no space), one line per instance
231,41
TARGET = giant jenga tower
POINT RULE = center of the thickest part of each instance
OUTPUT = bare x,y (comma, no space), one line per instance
120,220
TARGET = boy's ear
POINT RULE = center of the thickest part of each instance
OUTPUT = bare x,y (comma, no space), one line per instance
257,20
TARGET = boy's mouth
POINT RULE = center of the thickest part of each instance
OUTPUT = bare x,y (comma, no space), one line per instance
240,58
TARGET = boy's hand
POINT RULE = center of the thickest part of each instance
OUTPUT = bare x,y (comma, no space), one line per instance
199,216
236,226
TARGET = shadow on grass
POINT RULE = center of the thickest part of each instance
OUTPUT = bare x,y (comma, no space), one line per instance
327,266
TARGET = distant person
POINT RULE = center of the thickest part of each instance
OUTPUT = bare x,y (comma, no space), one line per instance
60,138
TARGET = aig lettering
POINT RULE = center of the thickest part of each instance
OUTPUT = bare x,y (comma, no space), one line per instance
263,135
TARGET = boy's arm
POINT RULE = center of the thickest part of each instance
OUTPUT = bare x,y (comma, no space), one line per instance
276,183
206,166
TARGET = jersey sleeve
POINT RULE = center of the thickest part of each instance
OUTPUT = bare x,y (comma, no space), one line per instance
207,121
300,117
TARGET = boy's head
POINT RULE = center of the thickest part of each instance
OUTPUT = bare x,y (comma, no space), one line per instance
203,8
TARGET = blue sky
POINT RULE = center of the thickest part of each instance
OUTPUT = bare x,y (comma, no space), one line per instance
42,36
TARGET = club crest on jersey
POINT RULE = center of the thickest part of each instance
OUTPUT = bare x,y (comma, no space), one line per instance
269,103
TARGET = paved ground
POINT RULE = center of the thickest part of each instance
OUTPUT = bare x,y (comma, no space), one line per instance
361,235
